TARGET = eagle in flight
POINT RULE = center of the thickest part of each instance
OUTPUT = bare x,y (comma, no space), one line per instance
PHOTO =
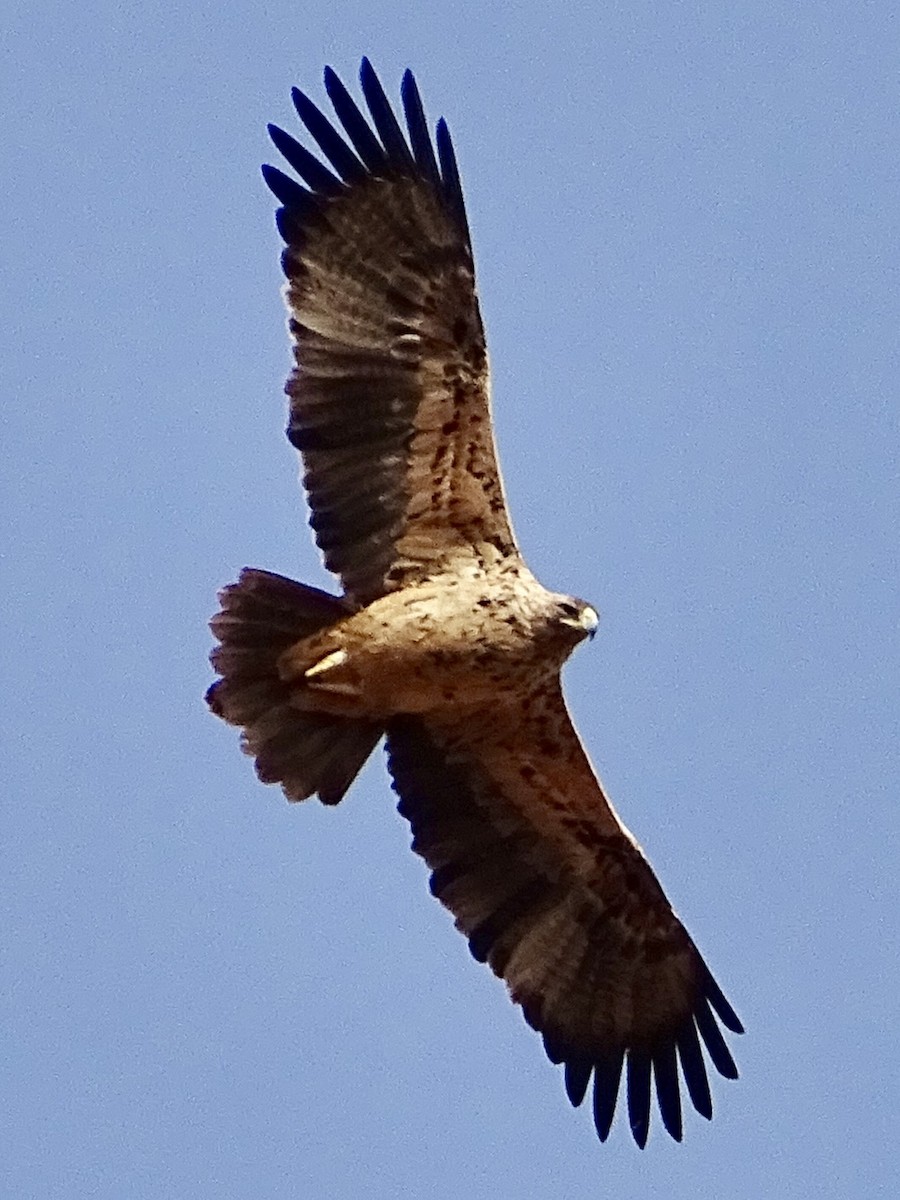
443,641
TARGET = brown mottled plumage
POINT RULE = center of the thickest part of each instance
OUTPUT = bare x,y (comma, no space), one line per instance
443,639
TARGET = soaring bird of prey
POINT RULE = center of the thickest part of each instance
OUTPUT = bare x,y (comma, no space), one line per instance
442,640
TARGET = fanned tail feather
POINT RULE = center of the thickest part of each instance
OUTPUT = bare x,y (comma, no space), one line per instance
306,752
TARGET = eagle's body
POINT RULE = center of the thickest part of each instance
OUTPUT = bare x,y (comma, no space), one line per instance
443,641
450,644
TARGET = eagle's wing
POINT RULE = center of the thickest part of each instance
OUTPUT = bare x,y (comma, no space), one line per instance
553,892
389,403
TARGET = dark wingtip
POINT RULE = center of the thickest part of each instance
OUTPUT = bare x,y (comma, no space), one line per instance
450,181
316,176
723,1009
693,1068
639,1100
607,1077
554,1048
287,190
423,150
360,144
364,141
577,1076
714,1042
385,121
668,1093
329,141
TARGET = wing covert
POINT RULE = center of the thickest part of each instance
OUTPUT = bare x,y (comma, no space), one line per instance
389,396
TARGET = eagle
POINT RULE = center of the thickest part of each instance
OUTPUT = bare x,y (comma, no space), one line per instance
442,641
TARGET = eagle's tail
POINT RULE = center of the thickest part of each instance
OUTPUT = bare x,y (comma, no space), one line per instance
261,616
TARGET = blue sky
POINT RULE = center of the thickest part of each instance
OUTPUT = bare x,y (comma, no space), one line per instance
686,229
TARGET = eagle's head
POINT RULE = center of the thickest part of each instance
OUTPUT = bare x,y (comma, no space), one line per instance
572,620
579,616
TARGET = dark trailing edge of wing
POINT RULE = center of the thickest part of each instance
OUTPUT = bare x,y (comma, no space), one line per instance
435,798
358,178
384,152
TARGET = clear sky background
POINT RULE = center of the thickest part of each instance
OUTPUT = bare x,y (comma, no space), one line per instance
686,227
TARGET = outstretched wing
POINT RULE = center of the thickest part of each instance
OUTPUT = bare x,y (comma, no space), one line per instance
389,402
553,892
